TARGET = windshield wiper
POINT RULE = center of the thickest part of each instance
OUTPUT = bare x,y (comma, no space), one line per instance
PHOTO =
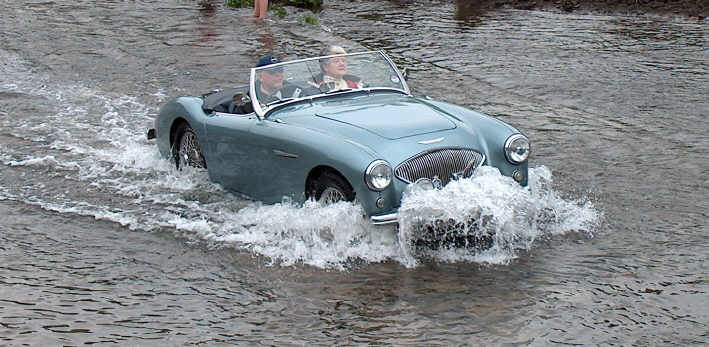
280,101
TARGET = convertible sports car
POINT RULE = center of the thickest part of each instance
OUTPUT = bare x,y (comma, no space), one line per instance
366,141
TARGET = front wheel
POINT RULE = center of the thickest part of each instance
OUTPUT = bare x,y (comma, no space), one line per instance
186,149
330,188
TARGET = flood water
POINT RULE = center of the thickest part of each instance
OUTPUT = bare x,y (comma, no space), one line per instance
103,242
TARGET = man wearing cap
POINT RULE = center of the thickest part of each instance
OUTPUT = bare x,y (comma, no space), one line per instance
269,82
269,87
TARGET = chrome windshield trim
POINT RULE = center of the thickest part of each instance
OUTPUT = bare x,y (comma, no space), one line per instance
322,96
398,73
252,91
262,112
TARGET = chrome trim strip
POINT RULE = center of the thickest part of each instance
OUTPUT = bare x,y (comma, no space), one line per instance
383,219
252,91
285,154
428,142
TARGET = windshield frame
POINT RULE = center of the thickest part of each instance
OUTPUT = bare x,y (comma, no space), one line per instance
262,112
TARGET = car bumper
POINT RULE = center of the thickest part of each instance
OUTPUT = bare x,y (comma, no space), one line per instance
386,218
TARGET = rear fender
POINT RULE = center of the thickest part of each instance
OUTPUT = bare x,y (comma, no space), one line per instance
181,109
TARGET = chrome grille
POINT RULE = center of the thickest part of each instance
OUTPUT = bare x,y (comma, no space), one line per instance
442,163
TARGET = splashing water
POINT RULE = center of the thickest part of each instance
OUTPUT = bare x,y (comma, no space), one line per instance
324,236
336,235
87,155
494,208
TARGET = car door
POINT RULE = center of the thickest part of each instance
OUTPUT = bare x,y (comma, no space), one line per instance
230,148
258,158
281,160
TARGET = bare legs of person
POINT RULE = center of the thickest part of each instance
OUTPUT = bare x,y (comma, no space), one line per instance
260,7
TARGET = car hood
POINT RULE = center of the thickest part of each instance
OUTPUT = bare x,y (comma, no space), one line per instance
389,126
394,119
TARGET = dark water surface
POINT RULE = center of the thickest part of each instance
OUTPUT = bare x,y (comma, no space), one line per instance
103,242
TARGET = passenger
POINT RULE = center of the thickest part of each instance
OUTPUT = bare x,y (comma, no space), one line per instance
334,72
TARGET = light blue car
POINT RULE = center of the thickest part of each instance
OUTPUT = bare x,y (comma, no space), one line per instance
365,142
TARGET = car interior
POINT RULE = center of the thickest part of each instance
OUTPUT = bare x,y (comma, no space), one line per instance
232,100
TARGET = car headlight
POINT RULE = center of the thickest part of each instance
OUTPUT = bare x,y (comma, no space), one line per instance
517,148
378,175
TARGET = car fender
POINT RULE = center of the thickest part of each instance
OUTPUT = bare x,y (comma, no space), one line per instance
301,150
188,109
494,133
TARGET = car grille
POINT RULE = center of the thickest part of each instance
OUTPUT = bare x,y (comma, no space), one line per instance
445,164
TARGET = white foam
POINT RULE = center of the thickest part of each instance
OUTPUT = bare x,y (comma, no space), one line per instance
334,236
43,161
323,236
514,216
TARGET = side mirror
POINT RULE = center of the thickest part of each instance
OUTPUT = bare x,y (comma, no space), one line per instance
405,74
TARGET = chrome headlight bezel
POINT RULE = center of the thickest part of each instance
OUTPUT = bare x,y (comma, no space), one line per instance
517,149
378,175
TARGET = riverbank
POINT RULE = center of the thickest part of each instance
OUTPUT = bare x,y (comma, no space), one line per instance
689,8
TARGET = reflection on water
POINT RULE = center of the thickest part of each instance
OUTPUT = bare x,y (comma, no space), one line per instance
207,7
268,42
470,11
208,25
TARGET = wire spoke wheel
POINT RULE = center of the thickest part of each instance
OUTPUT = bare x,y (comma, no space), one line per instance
330,188
332,195
188,152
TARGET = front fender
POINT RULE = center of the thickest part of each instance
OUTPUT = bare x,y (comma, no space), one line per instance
294,151
494,133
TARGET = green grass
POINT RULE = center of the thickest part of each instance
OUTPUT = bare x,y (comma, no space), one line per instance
279,10
310,19
240,3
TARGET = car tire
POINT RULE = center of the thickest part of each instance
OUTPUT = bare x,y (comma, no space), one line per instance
330,188
186,150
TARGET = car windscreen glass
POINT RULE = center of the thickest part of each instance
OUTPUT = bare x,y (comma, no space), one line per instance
321,76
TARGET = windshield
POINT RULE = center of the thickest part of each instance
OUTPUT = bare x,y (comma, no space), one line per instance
286,82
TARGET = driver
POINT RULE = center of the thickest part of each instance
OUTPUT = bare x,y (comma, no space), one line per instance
269,82
269,86
334,72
